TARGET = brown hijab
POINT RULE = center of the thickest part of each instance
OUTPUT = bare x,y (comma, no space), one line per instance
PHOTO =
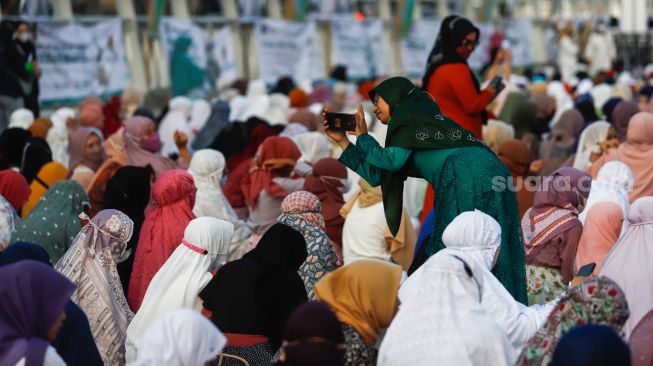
514,154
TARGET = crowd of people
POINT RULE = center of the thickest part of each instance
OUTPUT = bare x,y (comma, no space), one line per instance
462,221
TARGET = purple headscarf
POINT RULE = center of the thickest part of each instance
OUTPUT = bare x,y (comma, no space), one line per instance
565,186
134,132
32,297
77,144
621,118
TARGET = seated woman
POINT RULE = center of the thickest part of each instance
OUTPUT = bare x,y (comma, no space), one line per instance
268,182
473,244
598,301
302,211
551,234
252,298
177,284
14,193
86,155
600,233
32,301
423,142
363,295
91,264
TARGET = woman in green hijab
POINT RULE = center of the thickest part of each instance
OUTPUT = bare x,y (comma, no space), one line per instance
185,76
422,142
54,222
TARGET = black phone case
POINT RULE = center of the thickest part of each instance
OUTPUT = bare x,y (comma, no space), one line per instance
341,121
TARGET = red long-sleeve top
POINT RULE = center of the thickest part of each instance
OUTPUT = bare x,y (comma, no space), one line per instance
453,89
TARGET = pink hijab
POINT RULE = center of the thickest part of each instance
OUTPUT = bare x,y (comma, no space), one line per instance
637,153
173,197
600,232
133,133
629,263
77,146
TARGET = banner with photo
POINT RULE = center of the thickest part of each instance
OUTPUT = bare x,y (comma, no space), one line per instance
287,48
213,52
78,60
359,46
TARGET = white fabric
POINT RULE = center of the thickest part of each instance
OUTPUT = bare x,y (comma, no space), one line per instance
58,135
199,115
442,319
363,234
51,358
237,108
600,50
474,237
278,109
207,167
181,278
600,94
313,145
177,118
589,143
584,87
180,338
613,183
563,100
629,262
9,221
21,118
567,58
258,101
414,193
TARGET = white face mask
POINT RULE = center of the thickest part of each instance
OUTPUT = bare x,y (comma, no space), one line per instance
24,37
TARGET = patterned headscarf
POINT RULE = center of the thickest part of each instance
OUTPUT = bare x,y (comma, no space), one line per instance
90,263
599,301
301,211
54,222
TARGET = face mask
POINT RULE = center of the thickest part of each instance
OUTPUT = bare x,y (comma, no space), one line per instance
24,37
152,143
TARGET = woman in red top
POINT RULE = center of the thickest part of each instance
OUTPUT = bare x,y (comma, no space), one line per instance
449,79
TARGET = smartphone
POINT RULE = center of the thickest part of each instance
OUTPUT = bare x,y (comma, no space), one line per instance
497,82
586,270
341,121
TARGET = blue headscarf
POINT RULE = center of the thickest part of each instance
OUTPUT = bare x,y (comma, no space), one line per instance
591,345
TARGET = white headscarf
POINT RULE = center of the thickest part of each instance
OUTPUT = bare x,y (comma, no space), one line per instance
200,112
237,108
474,237
563,100
181,337
629,262
497,132
21,118
277,113
58,135
589,143
442,318
313,145
206,167
181,278
177,118
600,94
258,101
613,184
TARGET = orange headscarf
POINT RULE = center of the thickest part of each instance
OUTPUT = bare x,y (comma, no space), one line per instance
600,232
49,174
298,98
363,294
40,127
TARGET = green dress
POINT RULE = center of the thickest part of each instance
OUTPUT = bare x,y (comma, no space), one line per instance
462,178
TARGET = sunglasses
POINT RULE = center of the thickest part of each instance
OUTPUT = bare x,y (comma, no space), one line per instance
468,43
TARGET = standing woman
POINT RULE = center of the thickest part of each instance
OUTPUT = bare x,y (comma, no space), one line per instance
449,79
422,142
567,53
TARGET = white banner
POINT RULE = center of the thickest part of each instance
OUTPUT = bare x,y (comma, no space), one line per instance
216,49
417,45
481,54
520,35
80,60
288,49
359,46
